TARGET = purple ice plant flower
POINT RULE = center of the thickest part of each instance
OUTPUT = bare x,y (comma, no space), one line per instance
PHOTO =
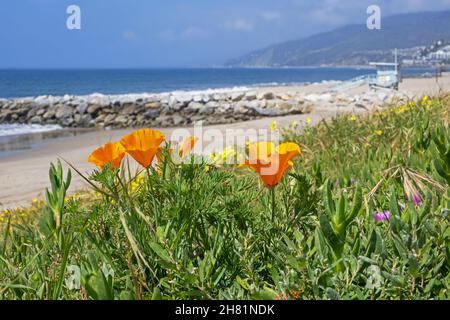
352,181
402,207
417,199
382,216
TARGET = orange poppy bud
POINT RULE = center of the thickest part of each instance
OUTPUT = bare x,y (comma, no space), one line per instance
111,152
187,146
143,145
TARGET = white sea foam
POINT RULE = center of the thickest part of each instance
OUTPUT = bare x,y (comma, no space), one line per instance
17,129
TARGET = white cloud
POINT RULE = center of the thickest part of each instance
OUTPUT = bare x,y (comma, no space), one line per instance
129,35
240,25
271,15
194,32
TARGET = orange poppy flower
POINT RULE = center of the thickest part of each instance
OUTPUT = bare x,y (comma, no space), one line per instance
260,151
143,145
187,146
111,152
271,164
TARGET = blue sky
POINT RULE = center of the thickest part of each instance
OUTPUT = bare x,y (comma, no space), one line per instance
169,33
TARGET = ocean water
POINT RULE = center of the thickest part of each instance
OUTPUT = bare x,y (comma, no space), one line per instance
15,129
26,83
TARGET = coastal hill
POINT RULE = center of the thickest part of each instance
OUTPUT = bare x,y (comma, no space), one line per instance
354,44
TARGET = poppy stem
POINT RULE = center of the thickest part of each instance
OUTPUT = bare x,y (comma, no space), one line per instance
165,158
149,182
272,191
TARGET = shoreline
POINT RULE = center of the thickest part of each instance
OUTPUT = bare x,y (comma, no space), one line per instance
213,89
26,172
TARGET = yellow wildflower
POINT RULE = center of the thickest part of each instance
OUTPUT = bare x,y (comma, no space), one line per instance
353,117
273,126
379,132
424,100
308,120
227,156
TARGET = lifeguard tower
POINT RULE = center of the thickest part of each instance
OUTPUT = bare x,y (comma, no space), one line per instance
388,74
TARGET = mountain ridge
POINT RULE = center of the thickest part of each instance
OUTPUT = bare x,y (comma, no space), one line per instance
352,44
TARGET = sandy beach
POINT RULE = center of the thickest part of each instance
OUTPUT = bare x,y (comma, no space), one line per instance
24,175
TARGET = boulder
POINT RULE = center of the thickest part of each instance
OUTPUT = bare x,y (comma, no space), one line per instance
182,98
164,121
218,97
67,121
178,106
255,104
240,108
5,115
194,106
99,99
109,119
31,113
100,118
129,108
121,119
284,97
236,96
266,96
49,114
206,98
93,109
36,120
151,114
153,105
87,120
82,107
63,112
43,101
269,112
77,119
250,96
177,120
197,98
40,111
208,108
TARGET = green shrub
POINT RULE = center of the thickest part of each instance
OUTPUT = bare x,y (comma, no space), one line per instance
196,231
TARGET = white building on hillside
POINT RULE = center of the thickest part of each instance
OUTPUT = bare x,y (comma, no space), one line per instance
441,54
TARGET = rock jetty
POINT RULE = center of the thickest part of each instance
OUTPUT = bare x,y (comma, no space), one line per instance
173,109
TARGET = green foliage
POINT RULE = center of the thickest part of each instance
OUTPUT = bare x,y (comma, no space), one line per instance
441,140
195,231
52,218
336,220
